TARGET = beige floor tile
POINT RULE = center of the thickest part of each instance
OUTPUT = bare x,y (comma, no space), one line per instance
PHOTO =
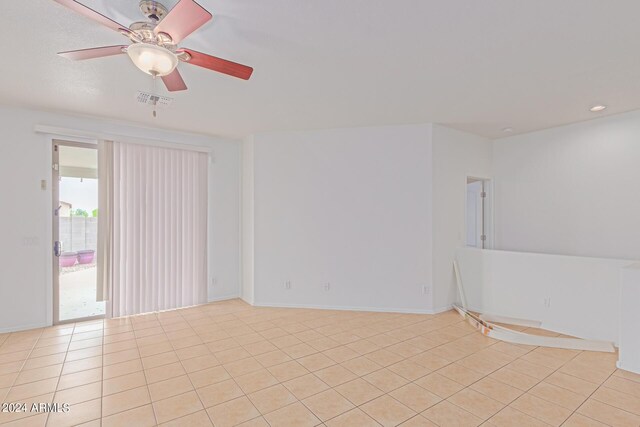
541,409
78,414
255,381
384,357
177,406
191,352
153,349
623,385
79,378
608,414
409,370
335,375
256,422
119,346
197,419
558,395
272,358
160,359
418,421
231,355
299,350
460,374
327,404
352,418
305,386
272,398
123,383
361,366
122,368
171,387
510,417
585,372
138,417
120,356
31,421
359,391
387,411
39,362
577,420
37,388
164,372
385,380
199,363
295,414
476,403
514,378
497,390
79,394
221,392
624,401
242,367
415,397
38,374
439,385
571,383
448,414
627,375
125,400
315,362
82,365
233,412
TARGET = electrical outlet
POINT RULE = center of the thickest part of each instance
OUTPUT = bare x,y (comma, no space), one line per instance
214,281
547,302
426,290
287,285
327,286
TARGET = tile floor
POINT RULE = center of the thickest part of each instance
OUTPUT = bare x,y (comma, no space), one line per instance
227,364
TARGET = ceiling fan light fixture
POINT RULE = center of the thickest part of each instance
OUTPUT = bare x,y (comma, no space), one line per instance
152,59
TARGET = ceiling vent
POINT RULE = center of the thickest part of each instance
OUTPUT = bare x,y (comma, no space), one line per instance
153,100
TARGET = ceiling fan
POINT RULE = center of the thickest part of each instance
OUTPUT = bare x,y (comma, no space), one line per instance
154,47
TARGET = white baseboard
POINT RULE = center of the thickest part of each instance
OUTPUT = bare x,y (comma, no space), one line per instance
25,327
351,308
224,298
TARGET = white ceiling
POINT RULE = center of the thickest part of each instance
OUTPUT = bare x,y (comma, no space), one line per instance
477,65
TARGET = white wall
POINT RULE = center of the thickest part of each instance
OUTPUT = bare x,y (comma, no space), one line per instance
571,189
25,213
456,155
576,296
247,219
349,207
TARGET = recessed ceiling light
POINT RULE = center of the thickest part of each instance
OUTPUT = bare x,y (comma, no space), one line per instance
507,130
597,108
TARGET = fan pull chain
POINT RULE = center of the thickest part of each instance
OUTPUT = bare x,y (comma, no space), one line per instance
154,97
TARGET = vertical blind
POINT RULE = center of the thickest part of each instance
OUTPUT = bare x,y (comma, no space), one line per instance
158,228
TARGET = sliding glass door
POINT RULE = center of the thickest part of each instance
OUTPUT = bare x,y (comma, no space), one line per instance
75,231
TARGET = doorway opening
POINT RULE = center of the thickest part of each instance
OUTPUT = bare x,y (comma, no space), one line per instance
75,231
478,213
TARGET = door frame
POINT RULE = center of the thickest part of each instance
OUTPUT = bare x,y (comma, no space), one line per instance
55,201
487,210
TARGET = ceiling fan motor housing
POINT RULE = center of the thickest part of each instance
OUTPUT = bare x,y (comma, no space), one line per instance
153,10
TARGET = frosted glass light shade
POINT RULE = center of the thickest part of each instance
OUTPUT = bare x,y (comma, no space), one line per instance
152,59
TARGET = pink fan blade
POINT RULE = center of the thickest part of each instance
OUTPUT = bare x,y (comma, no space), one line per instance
186,17
174,81
96,52
218,64
92,14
